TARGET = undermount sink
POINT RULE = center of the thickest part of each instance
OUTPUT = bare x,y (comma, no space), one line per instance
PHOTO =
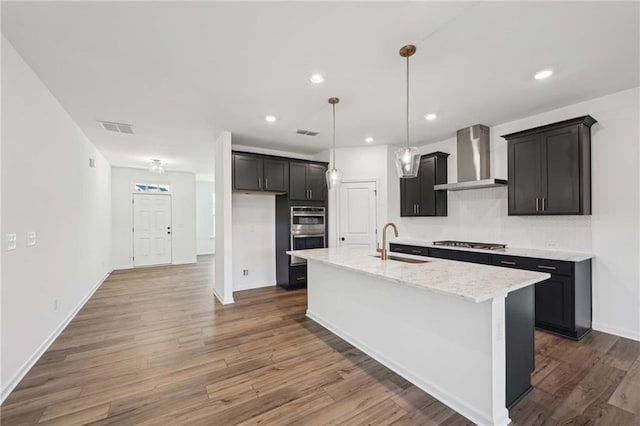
402,259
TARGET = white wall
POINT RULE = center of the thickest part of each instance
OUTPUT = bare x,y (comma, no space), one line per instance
254,241
183,214
358,163
611,233
47,187
205,243
223,285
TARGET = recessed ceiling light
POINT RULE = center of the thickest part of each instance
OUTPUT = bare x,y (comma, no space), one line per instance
431,116
317,78
368,140
541,75
270,118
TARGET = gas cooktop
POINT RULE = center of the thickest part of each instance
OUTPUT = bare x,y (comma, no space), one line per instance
466,244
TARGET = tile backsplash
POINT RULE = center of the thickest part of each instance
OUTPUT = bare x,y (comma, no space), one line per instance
481,215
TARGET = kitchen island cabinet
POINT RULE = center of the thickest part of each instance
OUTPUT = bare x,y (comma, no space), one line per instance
443,325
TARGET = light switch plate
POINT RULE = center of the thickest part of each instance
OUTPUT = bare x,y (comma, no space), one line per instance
31,238
12,241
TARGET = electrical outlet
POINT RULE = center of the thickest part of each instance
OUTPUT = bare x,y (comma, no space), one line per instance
245,272
31,238
55,304
550,244
12,241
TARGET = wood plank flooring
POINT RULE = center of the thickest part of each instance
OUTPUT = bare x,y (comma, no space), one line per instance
152,347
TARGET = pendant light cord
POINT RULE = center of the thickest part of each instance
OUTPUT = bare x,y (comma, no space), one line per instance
407,101
334,136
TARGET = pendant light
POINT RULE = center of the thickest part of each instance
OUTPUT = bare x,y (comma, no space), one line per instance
333,175
407,158
156,167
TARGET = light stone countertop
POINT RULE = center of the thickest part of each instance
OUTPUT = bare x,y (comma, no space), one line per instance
567,256
471,281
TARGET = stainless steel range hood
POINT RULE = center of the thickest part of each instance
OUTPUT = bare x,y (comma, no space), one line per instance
474,161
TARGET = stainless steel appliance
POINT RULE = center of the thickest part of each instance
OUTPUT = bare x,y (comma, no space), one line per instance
474,161
308,230
466,244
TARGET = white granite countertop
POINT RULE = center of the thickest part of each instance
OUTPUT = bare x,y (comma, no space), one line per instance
470,281
567,256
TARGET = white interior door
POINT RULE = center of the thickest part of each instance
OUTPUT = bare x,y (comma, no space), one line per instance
358,214
151,229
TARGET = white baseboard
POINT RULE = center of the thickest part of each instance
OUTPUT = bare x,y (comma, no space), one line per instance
622,332
242,287
22,371
433,390
227,301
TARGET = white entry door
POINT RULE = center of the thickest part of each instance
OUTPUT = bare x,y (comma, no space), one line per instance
151,229
358,214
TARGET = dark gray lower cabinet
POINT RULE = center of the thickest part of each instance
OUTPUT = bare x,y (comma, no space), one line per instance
563,302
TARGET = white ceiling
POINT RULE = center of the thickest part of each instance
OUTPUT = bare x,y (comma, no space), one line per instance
183,72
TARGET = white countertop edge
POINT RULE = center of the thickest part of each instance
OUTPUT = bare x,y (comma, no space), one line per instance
490,296
565,256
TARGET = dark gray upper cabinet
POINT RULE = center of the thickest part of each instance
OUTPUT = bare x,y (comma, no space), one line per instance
417,196
307,181
247,172
550,169
259,173
276,175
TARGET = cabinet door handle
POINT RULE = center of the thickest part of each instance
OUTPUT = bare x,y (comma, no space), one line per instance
259,183
300,278
506,262
537,204
418,208
543,206
311,193
266,183
551,268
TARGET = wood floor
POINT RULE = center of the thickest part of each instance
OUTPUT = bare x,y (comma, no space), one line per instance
152,347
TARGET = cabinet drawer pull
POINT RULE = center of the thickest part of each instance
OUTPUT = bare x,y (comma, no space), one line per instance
398,249
551,268
300,278
506,262
416,251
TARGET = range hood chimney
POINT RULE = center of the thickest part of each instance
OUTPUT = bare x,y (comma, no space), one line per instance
474,161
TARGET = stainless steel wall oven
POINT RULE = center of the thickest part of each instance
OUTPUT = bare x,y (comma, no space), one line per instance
308,230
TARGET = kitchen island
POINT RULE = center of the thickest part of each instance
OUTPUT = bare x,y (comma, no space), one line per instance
453,329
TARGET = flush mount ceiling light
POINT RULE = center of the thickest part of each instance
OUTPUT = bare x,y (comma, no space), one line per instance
271,118
541,75
407,158
156,167
368,140
431,117
333,175
317,78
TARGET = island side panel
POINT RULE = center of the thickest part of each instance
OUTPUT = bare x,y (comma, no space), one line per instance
450,347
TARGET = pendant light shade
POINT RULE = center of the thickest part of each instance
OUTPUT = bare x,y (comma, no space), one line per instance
407,158
333,175
407,162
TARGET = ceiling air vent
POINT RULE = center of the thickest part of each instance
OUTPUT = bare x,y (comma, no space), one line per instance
116,127
306,132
